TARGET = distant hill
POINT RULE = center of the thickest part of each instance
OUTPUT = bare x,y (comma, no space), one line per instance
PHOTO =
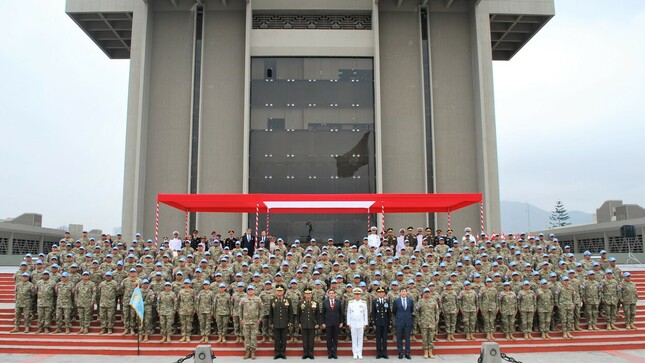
517,215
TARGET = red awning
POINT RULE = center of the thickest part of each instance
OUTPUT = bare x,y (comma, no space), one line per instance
319,203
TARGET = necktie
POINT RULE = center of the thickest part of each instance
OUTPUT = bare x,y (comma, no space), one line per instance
332,304
405,305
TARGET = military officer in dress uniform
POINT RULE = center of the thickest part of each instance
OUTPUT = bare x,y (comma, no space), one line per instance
381,315
279,315
309,314
357,321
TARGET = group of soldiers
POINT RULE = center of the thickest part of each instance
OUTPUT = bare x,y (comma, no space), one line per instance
471,284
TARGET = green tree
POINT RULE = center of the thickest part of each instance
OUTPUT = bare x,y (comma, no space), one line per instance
559,217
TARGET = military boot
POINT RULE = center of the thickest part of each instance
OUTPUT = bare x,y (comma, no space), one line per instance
15,330
46,330
614,326
430,355
206,340
125,332
252,353
526,336
425,354
163,339
103,330
40,330
109,331
26,330
547,335
67,331
247,355
168,339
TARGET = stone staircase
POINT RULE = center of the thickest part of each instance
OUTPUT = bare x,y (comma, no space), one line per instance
93,343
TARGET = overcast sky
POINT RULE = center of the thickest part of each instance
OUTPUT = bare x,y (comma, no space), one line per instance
570,110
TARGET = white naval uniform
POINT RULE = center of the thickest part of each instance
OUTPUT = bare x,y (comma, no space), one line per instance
357,320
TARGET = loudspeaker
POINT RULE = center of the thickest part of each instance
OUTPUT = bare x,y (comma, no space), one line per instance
628,231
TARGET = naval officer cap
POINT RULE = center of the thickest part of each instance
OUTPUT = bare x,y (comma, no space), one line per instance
355,291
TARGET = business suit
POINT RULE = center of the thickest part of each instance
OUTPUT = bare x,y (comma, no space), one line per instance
248,241
403,317
381,315
332,316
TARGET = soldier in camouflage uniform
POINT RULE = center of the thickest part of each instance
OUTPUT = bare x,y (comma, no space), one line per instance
107,293
149,300
127,288
84,298
610,298
449,308
222,311
24,293
527,305
45,301
294,295
235,310
468,306
566,296
205,307
186,309
166,307
508,310
591,296
250,316
545,301
628,297
489,306
427,309
64,303
266,296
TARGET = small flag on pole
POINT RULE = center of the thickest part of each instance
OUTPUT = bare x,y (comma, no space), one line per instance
136,302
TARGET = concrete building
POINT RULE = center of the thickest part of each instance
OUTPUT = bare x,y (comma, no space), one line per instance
316,96
619,230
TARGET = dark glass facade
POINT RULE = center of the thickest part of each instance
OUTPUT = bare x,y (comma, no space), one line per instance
312,132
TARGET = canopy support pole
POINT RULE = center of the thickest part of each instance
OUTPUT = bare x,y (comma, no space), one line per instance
257,223
369,223
157,224
187,223
267,225
449,224
481,216
383,217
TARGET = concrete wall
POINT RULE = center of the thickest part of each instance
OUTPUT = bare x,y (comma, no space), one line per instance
222,111
402,123
170,97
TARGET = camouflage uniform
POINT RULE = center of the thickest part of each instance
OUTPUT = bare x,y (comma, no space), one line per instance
235,310
166,307
295,296
488,305
222,312
545,301
266,296
610,299
149,300
427,309
508,310
250,313
566,297
186,309
85,297
591,295
64,305
129,316
45,303
205,307
468,308
449,308
107,292
24,293
629,297
527,301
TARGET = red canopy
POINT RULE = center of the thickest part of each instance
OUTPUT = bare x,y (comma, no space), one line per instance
319,203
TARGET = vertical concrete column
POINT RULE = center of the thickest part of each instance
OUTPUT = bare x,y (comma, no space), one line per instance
137,120
486,140
377,107
247,106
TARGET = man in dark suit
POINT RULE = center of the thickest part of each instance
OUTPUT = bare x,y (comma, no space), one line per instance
381,313
333,318
279,314
402,311
248,241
